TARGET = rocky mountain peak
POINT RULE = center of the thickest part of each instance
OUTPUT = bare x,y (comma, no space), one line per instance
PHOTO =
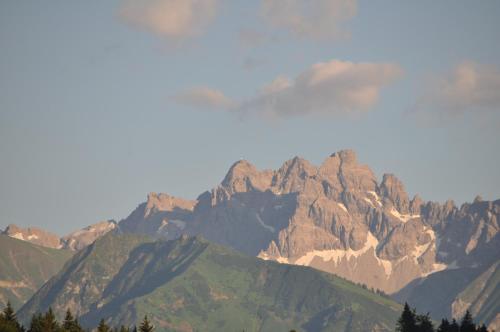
33,235
239,169
243,177
393,189
165,202
416,204
345,156
478,199
294,169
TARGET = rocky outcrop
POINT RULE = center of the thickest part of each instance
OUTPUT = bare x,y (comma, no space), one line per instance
74,241
161,215
34,235
82,238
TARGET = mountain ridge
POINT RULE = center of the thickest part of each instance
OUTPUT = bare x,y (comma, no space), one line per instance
192,284
336,217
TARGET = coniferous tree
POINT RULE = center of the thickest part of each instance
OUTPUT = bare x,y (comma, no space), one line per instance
424,323
444,326
482,328
8,320
146,326
407,322
49,322
467,324
454,327
124,329
70,323
44,323
36,324
103,327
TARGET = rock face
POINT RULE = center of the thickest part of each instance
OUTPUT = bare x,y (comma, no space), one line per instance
82,238
34,235
73,241
335,217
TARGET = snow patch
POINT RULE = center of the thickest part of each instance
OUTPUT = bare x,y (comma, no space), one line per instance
403,217
436,267
18,236
266,257
337,255
342,206
377,199
369,201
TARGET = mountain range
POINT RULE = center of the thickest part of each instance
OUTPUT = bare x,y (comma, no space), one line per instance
339,218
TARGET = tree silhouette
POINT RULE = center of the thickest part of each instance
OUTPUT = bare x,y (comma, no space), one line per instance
103,327
424,323
49,322
467,324
454,327
8,320
146,325
407,322
124,329
70,323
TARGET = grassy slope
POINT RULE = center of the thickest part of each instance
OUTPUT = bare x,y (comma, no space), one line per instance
24,267
222,291
191,284
83,279
484,294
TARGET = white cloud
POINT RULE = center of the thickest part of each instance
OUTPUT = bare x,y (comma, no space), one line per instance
332,87
469,87
175,19
204,98
318,19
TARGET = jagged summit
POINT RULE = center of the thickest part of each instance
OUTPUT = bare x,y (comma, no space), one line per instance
34,235
336,217
347,156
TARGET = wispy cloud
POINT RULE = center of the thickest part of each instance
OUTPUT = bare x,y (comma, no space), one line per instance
319,19
173,19
328,87
468,87
204,98
333,87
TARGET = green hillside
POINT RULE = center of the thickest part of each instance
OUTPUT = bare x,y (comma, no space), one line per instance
483,295
192,285
25,267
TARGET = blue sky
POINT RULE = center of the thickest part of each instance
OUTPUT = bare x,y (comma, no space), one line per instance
102,102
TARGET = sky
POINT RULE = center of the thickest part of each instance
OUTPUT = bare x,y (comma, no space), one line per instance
102,102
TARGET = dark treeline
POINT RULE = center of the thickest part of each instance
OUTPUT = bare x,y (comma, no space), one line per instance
410,321
48,323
